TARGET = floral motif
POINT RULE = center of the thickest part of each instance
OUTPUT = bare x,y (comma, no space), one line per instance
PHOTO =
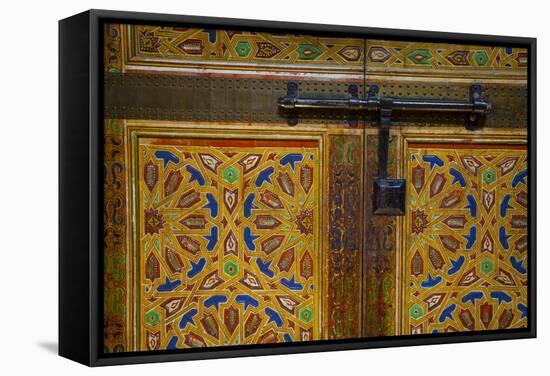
304,221
154,221
419,221
148,41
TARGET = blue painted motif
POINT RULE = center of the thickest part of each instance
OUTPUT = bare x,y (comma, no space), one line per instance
264,267
212,238
504,205
456,265
211,35
501,296
472,297
195,175
291,283
471,238
196,267
519,178
215,300
249,239
246,300
503,238
447,313
169,285
249,205
518,265
173,344
167,157
431,282
212,205
264,176
523,309
291,159
457,177
472,205
274,316
187,318
433,160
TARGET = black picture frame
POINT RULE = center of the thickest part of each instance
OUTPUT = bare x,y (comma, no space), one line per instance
80,189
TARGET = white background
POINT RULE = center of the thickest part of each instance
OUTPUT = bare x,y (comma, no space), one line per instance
28,186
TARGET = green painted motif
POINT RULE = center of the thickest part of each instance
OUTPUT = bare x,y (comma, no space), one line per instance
344,150
416,311
420,56
114,126
231,268
308,52
112,301
152,318
489,176
230,175
306,314
481,58
243,48
487,266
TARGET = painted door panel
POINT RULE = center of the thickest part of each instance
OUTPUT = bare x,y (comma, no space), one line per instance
465,265
229,240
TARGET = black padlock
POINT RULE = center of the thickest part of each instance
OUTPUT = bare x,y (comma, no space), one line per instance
389,197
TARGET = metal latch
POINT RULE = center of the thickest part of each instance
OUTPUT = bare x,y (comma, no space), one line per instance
389,194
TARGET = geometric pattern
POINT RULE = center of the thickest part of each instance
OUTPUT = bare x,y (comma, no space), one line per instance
343,299
240,50
115,292
390,57
112,47
380,276
216,259
466,238
226,51
228,242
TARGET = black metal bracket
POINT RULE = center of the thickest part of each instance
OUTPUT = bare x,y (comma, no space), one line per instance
389,194
292,92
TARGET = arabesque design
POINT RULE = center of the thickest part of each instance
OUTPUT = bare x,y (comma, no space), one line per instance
188,48
229,244
466,238
224,226
416,59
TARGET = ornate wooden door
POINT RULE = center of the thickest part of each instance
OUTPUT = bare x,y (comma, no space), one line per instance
224,225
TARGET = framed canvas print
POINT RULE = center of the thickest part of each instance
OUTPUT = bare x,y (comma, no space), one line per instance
237,187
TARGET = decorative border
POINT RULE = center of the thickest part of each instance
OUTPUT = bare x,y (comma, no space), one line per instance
344,277
139,48
116,295
112,47
419,59
194,50
380,250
